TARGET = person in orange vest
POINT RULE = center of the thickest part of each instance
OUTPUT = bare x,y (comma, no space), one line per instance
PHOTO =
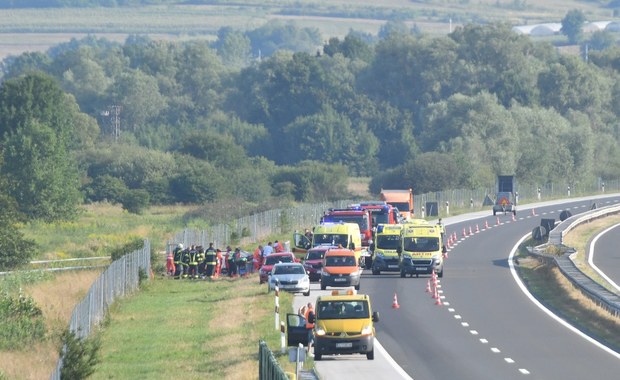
218,262
310,326
278,247
257,258
170,267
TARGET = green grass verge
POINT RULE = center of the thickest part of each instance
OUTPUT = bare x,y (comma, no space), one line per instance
545,281
191,329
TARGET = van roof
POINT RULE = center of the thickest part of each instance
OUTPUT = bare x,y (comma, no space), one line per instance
340,252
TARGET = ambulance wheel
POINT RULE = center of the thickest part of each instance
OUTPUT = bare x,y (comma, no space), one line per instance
370,355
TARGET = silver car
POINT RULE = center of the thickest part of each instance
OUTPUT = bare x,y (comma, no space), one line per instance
291,277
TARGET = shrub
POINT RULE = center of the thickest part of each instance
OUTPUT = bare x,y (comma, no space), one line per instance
21,321
79,356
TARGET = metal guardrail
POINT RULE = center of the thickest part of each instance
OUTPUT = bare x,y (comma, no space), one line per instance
600,295
268,366
121,278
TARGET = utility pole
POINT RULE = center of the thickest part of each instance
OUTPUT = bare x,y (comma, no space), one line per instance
115,119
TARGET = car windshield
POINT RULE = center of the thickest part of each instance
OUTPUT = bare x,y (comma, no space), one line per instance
340,261
421,244
388,241
288,269
331,239
315,255
342,310
270,260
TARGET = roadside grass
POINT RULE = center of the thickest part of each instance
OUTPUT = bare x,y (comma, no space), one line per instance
545,281
56,295
191,329
102,227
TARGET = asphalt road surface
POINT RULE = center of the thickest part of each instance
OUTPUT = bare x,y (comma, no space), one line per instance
484,325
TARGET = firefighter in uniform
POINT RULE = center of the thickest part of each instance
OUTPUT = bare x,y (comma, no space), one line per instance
178,266
211,260
185,261
192,271
201,261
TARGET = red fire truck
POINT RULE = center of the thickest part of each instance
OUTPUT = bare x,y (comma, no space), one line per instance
352,215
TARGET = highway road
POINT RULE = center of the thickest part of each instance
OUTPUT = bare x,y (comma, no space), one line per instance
604,255
485,326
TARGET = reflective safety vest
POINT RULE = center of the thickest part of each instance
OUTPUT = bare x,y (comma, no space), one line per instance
193,257
210,257
185,257
307,316
178,253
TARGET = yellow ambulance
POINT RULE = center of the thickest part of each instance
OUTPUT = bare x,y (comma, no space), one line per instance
422,249
384,249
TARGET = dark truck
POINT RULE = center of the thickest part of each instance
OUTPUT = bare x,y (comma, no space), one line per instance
505,201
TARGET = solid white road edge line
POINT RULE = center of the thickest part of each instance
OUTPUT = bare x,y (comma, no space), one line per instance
392,362
591,257
513,271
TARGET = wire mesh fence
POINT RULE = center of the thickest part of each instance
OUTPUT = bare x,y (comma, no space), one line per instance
121,278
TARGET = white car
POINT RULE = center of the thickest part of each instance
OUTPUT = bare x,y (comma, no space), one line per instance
291,277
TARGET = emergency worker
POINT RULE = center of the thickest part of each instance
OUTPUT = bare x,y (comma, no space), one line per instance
185,261
178,265
211,260
192,271
241,263
232,264
310,326
201,261
218,262
257,258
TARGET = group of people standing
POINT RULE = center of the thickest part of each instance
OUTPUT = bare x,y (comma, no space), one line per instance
261,252
195,262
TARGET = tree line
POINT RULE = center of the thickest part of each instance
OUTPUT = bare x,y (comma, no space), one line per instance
273,113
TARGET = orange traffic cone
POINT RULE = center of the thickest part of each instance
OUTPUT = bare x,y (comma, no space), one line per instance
514,218
464,233
470,232
395,304
437,298
486,224
477,229
533,212
454,237
428,286
497,221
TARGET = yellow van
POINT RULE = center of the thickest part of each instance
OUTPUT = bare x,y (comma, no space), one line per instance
344,325
422,249
385,248
345,235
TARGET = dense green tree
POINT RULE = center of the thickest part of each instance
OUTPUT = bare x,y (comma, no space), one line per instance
311,181
15,249
138,95
572,25
277,35
352,47
38,128
233,47
601,40
219,150
197,181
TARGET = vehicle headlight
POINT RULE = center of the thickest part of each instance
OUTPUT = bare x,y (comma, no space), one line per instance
304,280
367,330
319,331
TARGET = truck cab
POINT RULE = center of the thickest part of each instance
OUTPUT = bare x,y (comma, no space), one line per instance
400,199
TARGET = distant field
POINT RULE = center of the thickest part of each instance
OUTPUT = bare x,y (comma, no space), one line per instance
38,29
